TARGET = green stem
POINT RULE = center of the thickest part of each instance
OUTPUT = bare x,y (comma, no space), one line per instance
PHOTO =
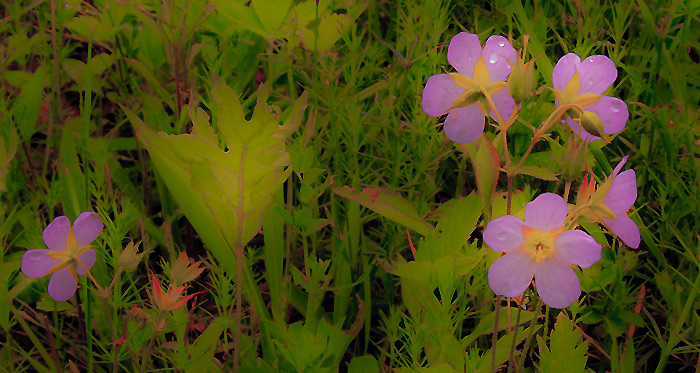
146,361
528,340
494,337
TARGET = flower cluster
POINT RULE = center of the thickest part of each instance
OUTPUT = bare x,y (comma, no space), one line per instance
477,89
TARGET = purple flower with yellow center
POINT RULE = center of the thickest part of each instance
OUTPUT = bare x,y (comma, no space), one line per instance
619,199
540,247
582,83
609,202
464,95
67,256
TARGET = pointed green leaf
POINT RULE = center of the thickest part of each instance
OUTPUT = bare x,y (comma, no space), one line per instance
389,204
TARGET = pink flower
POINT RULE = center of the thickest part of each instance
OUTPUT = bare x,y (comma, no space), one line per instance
540,247
67,256
594,75
619,199
457,94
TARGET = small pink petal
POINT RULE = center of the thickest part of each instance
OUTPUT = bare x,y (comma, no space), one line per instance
504,103
439,94
577,247
564,70
597,73
511,274
547,212
505,234
56,233
612,112
622,193
463,52
626,229
464,125
88,259
618,168
62,285
87,227
499,55
557,284
35,263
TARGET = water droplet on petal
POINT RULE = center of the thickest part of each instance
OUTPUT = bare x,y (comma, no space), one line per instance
592,59
501,43
616,106
493,58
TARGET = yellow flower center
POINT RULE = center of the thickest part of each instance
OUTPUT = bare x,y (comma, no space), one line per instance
69,256
476,89
540,245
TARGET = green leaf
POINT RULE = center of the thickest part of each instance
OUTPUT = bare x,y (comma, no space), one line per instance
89,26
48,304
363,364
485,325
567,351
455,226
271,12
26,108
536,171
201,353
7,154
389,204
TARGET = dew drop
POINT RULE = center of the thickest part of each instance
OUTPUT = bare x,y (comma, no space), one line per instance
615,106
493,58
591,59
501,43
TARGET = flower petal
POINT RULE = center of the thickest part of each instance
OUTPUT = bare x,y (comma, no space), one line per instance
88,259
504,103
87,227
499,55
597,73
35,263
511,274
505,234
439,94
622,193
546,212
577,247
626,229
464,125
463,52
557,284
56,233
612,112
62,285
618,168
564,70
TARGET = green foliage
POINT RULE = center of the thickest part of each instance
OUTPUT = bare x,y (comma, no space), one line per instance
566,351
363,227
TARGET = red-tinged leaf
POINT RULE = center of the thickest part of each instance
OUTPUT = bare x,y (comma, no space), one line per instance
389,204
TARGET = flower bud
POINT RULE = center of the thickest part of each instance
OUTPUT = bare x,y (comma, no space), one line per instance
573,161
184,269
592,123
129,259
521,81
